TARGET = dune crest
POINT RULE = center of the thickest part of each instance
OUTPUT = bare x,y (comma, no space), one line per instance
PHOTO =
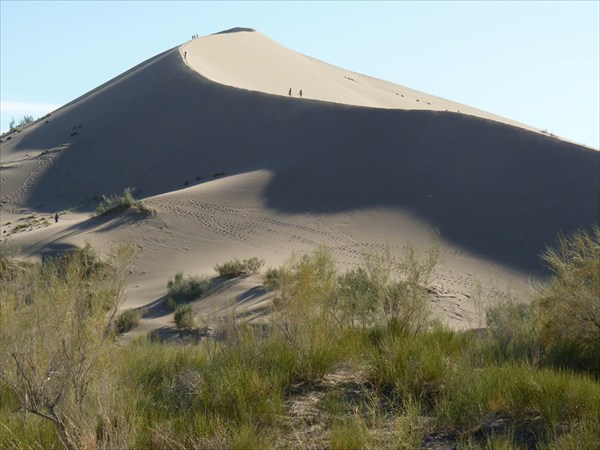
247,59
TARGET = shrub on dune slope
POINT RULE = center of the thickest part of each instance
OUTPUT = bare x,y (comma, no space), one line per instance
124,201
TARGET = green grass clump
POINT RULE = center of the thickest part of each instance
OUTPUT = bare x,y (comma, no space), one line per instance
184,317
182,288
235,268
124,201
271,281
128,320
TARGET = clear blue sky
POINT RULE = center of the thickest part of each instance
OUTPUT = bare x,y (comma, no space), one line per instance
535,62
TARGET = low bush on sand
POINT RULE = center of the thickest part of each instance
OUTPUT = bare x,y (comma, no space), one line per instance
124,201
129,319
236,268
183,289
184,317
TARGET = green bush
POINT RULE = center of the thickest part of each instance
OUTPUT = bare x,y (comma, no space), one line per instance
568,308
235,268
357,298
511,333
128,320
271,282
120,202
184,317
183,289
55,335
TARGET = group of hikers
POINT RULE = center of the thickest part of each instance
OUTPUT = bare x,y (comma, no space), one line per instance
194,36
299,93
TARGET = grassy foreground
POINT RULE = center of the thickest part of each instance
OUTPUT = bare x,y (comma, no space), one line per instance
345,361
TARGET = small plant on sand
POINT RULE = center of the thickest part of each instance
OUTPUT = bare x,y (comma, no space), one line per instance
120,202
184,317
24,121
271,281
129,319
185,288
235,268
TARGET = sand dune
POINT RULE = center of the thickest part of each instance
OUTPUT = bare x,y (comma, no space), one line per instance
247,59
234,168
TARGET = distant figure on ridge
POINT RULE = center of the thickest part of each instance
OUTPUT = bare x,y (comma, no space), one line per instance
56,218
290,92
184,55
300,93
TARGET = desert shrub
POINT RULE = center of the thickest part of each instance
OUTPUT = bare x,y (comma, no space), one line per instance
13,125
405,302
230,269
184,317
253,265
124,201
271,281
235,268
568,307
301,311
128,320
356,298
511,333
55,331
184,289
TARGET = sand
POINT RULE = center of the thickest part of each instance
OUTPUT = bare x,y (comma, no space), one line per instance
235,167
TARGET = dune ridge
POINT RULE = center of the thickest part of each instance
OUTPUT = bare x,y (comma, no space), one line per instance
247,59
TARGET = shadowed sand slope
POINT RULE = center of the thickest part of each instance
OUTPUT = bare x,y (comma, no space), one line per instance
495,189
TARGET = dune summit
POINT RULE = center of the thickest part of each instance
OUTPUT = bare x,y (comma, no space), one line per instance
234,166
247,59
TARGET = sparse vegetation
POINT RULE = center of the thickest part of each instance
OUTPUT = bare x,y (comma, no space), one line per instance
120,202
271,281
235,268
184,317
345,360
13,125
182,289
129,319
